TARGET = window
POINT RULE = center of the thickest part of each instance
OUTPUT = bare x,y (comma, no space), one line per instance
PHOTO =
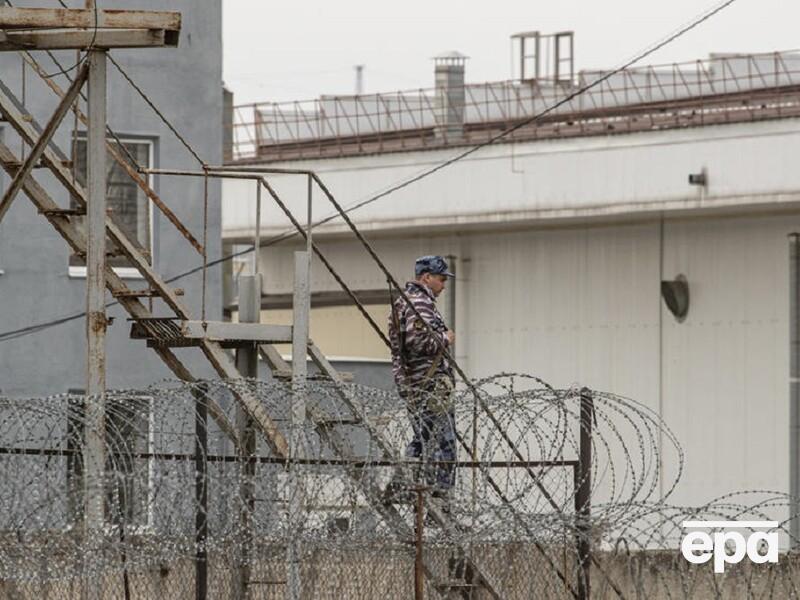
129,207
129,469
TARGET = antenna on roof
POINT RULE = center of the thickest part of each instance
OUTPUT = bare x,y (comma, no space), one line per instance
548,56
359,79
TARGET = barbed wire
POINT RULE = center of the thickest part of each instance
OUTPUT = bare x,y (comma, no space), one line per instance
516,520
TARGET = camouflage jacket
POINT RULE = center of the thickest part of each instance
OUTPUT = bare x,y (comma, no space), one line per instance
414,347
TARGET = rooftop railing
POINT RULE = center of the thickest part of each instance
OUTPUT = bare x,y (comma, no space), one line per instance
719,89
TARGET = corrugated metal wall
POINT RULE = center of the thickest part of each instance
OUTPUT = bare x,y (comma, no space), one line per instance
583,305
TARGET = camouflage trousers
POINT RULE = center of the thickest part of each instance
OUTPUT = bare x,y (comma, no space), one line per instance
434,426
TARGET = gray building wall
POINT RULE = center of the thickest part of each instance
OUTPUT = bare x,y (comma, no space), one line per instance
186,85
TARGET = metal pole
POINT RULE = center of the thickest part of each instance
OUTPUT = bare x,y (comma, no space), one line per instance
451,299
201,495
572,59
794,386
310,224
419,568
359,79
257,244
247,365
95,290
557,66
583,495
300,337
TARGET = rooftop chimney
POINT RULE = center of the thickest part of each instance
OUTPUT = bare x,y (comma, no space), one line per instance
450,95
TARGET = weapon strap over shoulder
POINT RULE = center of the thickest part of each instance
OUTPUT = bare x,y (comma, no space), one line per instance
401,331
434,365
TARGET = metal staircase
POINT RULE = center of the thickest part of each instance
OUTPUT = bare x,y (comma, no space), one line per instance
181,330
61,218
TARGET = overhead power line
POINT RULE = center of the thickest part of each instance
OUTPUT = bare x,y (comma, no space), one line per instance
683,29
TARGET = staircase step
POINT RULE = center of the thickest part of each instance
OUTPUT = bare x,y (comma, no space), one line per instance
76,211
109,254
16,164
220,331
159,330
151,293
333,422
63,212
173,332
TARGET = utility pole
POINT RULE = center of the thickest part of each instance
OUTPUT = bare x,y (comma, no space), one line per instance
96,321
94,450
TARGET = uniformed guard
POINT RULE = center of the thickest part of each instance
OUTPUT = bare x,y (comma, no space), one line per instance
420,341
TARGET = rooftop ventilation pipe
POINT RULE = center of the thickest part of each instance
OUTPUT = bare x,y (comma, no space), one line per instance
450,95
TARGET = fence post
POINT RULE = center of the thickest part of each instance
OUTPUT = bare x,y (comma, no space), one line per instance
247,365
201,494
301,309
583,495
419,522
794,388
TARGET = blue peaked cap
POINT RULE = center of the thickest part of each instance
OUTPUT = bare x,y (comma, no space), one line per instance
436,265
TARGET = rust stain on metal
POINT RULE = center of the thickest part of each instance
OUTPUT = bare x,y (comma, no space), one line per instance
97,322
150,193
62,40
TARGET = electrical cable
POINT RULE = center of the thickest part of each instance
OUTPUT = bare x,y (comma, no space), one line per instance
669,38
155,109
688,26
66,70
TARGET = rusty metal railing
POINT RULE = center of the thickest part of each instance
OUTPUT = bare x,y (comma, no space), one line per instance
699,92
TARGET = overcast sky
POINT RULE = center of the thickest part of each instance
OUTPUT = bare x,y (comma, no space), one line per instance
275,51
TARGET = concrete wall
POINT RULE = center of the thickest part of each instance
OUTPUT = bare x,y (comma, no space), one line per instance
186,84
368,572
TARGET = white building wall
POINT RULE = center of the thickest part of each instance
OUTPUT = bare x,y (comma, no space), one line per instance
726,368
582,305
539,182
560,258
